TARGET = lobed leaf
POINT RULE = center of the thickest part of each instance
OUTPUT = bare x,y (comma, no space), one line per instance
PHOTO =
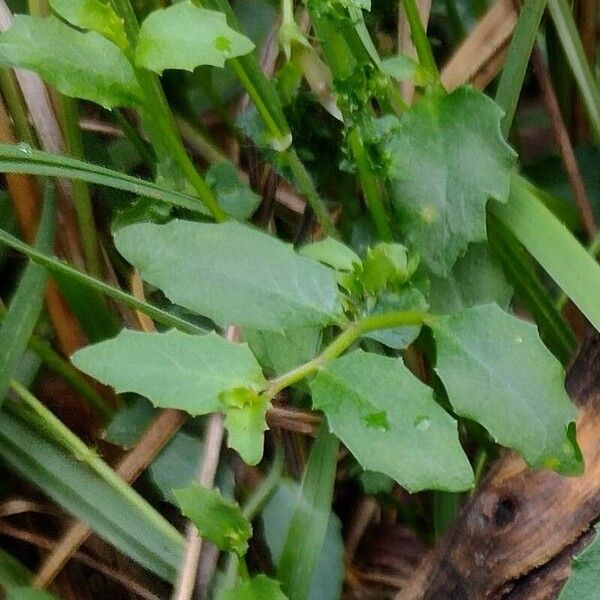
217,520
185,36
390,422
448,158
232,273
83,65
497,372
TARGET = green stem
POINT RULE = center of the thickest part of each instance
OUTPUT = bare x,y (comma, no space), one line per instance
16,107
162,128
419,37
81,191
370,185
341,343
307,188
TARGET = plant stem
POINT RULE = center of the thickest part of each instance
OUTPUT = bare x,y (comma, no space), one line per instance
370,185
159,121
307,188
15,104
341,343
419,37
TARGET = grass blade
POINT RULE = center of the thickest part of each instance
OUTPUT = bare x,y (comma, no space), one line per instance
57,266
27,301
70,473
513,74
23,159
311,515
553,246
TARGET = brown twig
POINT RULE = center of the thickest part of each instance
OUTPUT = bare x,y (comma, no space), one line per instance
564,143
47,543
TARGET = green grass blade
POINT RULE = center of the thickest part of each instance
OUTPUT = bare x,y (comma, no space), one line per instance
573,49
23,159
515,66
553,246
27,301
70,473
55,265
311,515
515,261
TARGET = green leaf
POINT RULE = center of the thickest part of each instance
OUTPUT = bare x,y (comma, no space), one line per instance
328,576
331,252
12,572
282,352
308,526
232,273
553,246
497,372
260,587
217,520
21,158
390,422
476,278
235,196
448,158
583,582
400,67
172,369
185,36
245,420
385,265
95,15
83,65
408,298
83,485
28,300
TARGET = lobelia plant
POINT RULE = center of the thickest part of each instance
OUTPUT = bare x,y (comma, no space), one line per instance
392,326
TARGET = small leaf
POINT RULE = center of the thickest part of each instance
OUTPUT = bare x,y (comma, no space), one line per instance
476,278
385,265
235,196
333,253
497,372
217,520
447,159
245,413
232,273
583,583
260,587
95,15
185,36
400,67
172,369
390,422
83,65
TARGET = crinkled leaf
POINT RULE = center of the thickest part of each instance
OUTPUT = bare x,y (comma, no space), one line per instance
476,278
95,15
447,158
328,576
232,273
333,253
390,422
83,65
260,587
217,520
185,36
234,195
409,298
583,582
172,369
497,372
245,420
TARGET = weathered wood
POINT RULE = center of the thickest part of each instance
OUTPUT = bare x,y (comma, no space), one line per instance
515,536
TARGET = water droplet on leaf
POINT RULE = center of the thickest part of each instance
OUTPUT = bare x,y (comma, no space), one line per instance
422,423
24,148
